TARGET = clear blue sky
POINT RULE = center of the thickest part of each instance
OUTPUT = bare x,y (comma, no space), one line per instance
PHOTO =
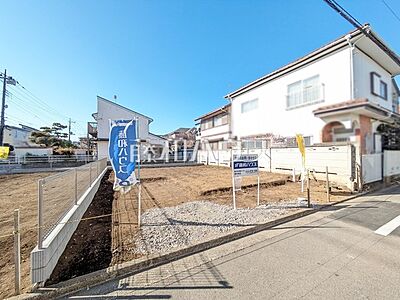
171,60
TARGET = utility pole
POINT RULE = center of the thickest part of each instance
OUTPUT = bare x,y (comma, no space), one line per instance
6,80
3,106
69,129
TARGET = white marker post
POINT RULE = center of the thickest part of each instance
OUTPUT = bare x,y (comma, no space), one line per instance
233,180
258,190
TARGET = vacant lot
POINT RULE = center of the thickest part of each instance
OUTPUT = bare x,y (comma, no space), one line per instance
165,187
161,187
17,191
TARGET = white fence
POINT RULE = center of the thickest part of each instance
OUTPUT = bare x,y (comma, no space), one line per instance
340,161
371,167
391,163
28,162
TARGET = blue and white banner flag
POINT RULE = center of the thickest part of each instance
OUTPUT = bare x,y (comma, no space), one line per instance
122,153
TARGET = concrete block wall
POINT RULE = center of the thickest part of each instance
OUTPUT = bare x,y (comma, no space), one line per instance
338,159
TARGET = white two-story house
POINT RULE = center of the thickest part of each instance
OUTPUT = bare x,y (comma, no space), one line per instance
340,92
108,110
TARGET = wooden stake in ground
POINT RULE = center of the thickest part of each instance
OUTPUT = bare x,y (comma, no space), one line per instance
17,252
308,189
328,196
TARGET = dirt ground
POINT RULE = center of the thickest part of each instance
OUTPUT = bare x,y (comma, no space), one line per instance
164,187
17,191
161,187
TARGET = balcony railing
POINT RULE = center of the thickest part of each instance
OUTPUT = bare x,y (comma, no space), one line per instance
92,129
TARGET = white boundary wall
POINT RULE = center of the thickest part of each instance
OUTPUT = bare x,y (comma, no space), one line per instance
340,161
391,163
371,167
43,261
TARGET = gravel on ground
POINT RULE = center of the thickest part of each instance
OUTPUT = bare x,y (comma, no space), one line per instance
172,228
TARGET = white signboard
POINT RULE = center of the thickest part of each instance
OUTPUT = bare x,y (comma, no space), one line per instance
245,165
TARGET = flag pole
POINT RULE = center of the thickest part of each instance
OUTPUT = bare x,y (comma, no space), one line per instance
139,183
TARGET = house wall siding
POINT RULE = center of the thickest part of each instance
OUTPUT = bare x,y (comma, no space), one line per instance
272,115
107,111
216,132
363,66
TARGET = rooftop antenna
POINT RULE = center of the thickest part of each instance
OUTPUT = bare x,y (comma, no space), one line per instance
115,98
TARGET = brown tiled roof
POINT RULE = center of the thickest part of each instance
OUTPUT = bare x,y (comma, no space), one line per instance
345,104
214,112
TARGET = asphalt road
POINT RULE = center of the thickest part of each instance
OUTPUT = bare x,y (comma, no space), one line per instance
332,254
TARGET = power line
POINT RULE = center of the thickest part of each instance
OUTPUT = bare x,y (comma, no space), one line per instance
27,103
364,29
391,10
344,13
23,92
27,111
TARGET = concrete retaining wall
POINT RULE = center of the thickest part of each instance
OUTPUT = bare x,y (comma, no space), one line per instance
43,261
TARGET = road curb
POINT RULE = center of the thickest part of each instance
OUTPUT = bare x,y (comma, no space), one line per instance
144,264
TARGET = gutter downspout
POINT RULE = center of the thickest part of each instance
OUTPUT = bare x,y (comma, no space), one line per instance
352,91
351,46
230,121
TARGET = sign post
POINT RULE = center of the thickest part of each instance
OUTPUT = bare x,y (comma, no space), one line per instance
233,181
302,149
138,176
245,165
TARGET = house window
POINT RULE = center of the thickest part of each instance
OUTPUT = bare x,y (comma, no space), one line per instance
378,86
311,89
207,124
214,145
259,144
303,92
220,120
383,90
249,105
294,94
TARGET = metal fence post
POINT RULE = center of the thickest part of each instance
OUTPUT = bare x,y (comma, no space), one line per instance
308,189
40,213
76,185
90,174
17,252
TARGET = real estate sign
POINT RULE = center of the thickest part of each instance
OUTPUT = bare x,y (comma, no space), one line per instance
245,165
122,153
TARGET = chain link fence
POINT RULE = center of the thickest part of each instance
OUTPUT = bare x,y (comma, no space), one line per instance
58,193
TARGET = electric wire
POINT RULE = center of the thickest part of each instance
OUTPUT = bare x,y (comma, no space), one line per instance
391,10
